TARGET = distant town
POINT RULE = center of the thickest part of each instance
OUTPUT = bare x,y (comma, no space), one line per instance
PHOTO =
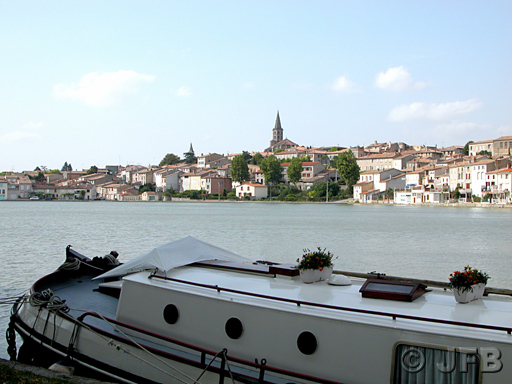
479,172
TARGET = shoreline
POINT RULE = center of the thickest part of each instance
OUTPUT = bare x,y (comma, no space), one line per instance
340,202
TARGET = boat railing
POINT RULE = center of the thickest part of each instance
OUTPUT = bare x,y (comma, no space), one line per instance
394,316
259,365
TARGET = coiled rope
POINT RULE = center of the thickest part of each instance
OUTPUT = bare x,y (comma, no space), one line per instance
48,300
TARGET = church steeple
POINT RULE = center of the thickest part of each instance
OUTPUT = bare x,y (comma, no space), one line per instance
278,122
277,132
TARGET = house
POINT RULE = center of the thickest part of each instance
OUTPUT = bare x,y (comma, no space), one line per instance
373,184
251,191
454,150
205,161
377,161
502,187
479,146
167,178
419,195
150,196
502,146
128,172
17,187
3,188
217,185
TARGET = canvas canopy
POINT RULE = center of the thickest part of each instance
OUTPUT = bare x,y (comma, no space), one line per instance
175,254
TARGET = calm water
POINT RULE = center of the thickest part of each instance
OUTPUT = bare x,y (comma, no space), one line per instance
422,242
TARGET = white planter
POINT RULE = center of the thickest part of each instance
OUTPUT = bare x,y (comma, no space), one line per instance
313,275
476,292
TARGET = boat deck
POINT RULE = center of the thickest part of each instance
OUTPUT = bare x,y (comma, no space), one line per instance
323,299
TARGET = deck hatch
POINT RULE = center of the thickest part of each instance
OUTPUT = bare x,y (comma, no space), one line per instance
392,290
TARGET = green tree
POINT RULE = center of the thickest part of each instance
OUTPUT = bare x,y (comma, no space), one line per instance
239,169
37,169
390,194
147,187
271,169
294,171
93,169
456,193
347,167
257,159
66,167
40,177
485,153
247,157
169,159
466,147
190,157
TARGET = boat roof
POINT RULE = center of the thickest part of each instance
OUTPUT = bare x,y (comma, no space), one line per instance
434,311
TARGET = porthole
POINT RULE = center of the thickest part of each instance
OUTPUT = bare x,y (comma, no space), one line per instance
306,342
234,328
171,314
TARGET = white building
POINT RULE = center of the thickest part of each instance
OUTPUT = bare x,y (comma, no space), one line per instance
253,191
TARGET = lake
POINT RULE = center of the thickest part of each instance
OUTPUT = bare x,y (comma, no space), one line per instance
421,242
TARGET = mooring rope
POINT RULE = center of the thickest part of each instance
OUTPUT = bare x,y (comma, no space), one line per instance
48,300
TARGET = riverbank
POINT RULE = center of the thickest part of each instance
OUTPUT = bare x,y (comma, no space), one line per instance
12,372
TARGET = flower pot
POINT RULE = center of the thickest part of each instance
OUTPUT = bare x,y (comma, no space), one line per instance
313,275
475,292
326,273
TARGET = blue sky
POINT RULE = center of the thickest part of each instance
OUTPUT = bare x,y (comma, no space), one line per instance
109,82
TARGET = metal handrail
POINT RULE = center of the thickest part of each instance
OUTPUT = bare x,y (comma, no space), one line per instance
257,365
394,316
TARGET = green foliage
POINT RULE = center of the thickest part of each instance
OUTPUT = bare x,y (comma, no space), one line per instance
93,169
334,149
278,150
247,157
456,193
347,167
257,159
317,259
466,147
294,171
40,177
321,190
464,280
147,188
37,169
290,197
189,157
271,169
390,194
66,167
231,195
477,199
169,159
485,153
168,192
239,169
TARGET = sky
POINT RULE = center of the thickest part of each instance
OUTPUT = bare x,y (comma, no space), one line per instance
127,82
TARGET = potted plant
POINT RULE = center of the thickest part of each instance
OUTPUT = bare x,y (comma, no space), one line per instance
468,285
315,265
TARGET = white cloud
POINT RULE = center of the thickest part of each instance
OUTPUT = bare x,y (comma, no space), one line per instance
397,79
103,89
17,136
433,111
342,84
184,91
23,134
